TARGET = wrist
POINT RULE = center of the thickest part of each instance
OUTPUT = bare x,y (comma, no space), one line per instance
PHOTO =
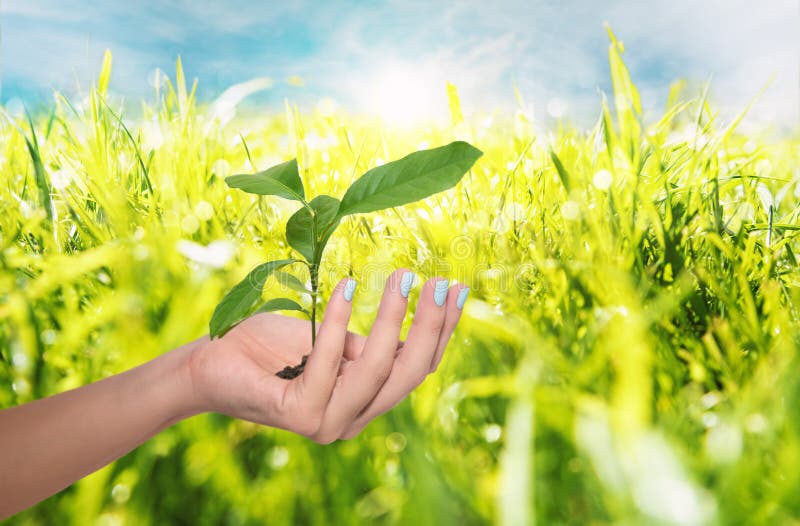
186,388
196,372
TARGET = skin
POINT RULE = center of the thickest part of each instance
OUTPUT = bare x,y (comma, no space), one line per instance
349,379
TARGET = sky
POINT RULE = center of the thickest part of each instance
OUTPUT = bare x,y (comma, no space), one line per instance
393,58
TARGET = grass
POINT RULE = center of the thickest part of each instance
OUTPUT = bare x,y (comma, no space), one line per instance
628,355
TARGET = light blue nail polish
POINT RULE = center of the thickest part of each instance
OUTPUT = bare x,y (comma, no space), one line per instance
462,297
440,291
406,282
349,288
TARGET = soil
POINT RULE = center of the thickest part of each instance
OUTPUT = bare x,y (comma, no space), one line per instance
289,372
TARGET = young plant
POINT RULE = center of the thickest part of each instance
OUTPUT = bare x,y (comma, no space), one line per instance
397,183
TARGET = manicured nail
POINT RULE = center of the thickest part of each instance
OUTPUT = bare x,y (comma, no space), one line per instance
440,291
406,282
462,297
349,288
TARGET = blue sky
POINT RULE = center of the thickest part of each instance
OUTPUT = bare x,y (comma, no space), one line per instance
393,58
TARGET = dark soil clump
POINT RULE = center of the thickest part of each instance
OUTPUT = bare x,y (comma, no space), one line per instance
289,372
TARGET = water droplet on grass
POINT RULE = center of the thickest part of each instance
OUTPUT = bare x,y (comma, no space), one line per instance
20,360
190,224
48,336
710,419
140,252
570,210
755,423
492,433
21,387
396,442
278,457
602,180
121,493
204,211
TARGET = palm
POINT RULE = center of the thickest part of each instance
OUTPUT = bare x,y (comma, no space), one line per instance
258,348
272,342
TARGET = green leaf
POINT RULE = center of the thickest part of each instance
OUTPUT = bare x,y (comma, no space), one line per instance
309,235
282,180
563,174
291,282
414,177
237,303
279,304
39,172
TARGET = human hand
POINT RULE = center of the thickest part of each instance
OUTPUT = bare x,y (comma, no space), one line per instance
348,380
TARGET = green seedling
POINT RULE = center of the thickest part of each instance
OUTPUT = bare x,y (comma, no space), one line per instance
412,178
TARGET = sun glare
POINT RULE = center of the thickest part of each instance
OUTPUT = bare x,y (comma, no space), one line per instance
403,95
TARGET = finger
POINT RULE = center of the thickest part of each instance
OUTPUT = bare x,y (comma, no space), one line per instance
385,332
455,304
353,345
319,377
420,347
364,377
413,362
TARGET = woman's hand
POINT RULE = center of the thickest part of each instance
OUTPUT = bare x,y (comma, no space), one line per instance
348,379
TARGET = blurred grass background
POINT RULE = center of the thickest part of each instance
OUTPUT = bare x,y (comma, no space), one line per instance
627,356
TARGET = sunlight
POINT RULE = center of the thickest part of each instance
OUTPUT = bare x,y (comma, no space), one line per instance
404,95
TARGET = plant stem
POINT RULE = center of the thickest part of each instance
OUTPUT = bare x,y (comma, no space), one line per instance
314,272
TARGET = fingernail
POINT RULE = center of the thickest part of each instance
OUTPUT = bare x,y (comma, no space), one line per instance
349,288
462,297
406,282
440,291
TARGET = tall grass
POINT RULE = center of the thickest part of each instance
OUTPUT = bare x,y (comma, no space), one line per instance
628,355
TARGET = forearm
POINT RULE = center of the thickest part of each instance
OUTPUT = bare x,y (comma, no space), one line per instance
48,444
